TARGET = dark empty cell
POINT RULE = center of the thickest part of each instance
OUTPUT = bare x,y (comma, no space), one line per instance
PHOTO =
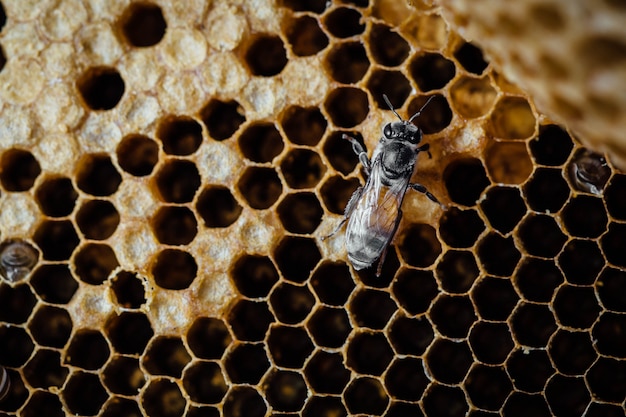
529,369
137,155
222,118
19,170
441,400
254,275
448,361
303,125
541,236
415,290
388,48
504,208
391,83
547,190
419,245
588,172
101,87
609,334
246,363
178,181
260,186
296,257
471,58
584,216
336,193
322,406
44,370
347,106
174,269
166,356
581,261
366,396
289,347
244,401
488,387
401,409
339,151
217,207
118,406
261,142
51,326
143,24
315,6
180,135
205,383
567,395
174,225
460,228
410,336
300,213
332,283
285,391
508,162
208,338
512,118
572,352
457,271
266,55
465,180
498,255
537,279
347,62
533,324
431,71
94,263
16,303
43,403
302,168
406,380
3,17
615,197
372,308
97,176
123,376
344,22
250,320
56,197
576,307
604,410
329,327
305,36
84,394
88,349
494,298
162,398
17,259
128,289
613,244
607,381
453,315
491,342
128,332
326,372
611,288
291,303
434,117
17,346
97,219
552,147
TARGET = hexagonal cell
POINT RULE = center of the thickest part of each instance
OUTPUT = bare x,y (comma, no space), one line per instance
315,6
547,190
137,155
344,22
537,279
471,58
16,303
347,62
448,361
347,106
508,162
453,315
162,398
174,269
94,263
457,271
88,350
291,303
529,369
217,206
118,406
611,288
128,289
84,394
266,55
431,71
368,353
401,408
540,235
300,212
208,338
512,118
581,261
491,342
387,47
406,380
465,180
244,401
329,327
440,399
205,383
503,207
143,24
56,196
250,320
332,283
261,142
494,298
339,152
177,181
254,275
613,243
96,175
180,135
174,225
365,395
222,118
303,125
372,308
498,255
609,334
576,307
302,168
97,219
588,172
19,170
289,347
410,336
296,257
435,117
615,197
260,186
166,356
305,36
472,97
552,147
43,403
44,370
391,83
415,290
129,332
17,346
336,192
567,395
606,382
460,228
246,363
572,352
326,372
532,324
419,245
324,406
101,88
51,326
585,216
488,387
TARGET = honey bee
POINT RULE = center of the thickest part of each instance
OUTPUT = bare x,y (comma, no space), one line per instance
374,211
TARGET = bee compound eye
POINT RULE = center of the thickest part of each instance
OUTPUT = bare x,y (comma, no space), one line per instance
388,131
17,258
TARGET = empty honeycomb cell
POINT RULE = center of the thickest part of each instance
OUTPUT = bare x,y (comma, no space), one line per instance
366,395
261,142
347,62
143,24
567,395
471,58
537,279
576,307
512,118
588,172
315,6
323,406
300,212
532,324
431,71
603,410
387,46
260,186
448,361
552,147
302,168
246,363
222,118
504,207
453,315
16,303
606,380
305,36
572,352
339,152
97,219
609,334
180,135
162,398
410,336
488,386
491,342
615,197
174,225
372,308
177,181
584,216
441,400
17,346
56,196
435,117
540,235
44,370
419,246
254,275
547,190
521,404
291,303
581,261
457,271
204,382
611,288
128,289
326,372
94,263
101,88
266,55
97,176
472,97
166,356
19,170
415,290
137,155
244,401
296,257
303,125
344,22
336,192
498,255
465,180
347,106
460,228
50,326
289,347
217,207
129,332
118,406
329,327
406,380
43,403
391,83
285,390
88,349
401,408
508,162
84,394
250,320
529,369
332,283
494,298
208,338
613,243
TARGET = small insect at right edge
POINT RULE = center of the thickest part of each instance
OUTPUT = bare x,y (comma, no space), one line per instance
374,211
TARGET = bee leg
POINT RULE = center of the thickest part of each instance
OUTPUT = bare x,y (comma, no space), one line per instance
420,188
424,148
384,254
347,212
360,151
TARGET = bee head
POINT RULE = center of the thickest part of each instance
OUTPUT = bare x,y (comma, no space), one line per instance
402,131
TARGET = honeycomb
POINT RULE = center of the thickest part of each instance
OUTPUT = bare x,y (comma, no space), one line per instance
168,171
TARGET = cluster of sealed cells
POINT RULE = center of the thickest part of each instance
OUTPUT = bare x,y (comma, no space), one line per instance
514,303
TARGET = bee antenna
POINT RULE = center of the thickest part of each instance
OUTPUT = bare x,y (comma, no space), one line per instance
420,110
391,107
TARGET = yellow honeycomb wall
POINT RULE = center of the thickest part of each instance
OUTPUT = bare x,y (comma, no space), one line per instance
168,171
